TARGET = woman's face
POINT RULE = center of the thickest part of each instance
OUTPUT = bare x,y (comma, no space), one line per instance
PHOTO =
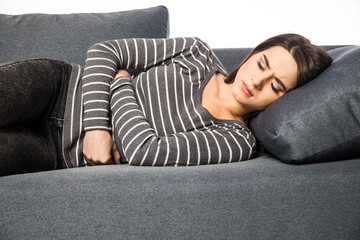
265,77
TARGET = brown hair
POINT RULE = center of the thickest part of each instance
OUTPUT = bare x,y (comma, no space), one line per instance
311,60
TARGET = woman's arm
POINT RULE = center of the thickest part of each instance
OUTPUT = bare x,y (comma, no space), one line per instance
103,61
141,145
99,148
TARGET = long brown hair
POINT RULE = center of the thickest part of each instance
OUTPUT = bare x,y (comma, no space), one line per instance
311,60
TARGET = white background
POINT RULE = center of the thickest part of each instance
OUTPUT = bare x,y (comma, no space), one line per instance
228,23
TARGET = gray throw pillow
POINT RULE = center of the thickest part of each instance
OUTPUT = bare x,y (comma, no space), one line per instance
67,37
319,121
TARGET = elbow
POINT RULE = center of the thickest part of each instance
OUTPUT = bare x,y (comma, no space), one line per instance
134,163
92,48
137,159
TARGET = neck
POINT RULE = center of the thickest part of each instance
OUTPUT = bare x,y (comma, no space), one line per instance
225,95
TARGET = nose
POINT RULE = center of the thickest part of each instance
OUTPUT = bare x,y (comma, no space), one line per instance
259,81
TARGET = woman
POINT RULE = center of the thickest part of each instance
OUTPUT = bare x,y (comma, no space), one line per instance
184,109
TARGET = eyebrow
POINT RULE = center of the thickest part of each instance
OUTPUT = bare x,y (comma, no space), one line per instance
277,79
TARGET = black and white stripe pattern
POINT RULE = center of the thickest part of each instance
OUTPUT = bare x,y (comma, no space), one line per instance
73,125
157,117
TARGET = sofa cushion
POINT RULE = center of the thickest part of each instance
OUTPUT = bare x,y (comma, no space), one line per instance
257,199
68,36
319,121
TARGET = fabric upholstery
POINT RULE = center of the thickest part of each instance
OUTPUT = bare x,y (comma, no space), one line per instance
231,57
68,36
255,199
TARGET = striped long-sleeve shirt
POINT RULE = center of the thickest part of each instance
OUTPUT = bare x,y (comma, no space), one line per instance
156,117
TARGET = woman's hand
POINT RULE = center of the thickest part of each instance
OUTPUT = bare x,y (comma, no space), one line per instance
99,148
122,73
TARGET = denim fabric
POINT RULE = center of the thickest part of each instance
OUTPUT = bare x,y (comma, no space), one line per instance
32,103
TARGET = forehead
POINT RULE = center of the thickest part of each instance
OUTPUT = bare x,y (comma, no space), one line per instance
282,64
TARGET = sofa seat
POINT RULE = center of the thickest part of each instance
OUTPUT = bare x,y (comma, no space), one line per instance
256,199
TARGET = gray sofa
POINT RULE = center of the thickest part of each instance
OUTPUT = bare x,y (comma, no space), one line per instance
316,196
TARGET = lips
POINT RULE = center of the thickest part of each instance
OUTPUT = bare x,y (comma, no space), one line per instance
245,88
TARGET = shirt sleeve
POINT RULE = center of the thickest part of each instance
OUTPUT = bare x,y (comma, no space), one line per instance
141,146
105,58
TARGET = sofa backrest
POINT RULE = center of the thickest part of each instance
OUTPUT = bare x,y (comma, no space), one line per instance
68,36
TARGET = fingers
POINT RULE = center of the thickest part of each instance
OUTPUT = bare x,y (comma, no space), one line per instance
99,148
92,162
122,73
115,153
114,158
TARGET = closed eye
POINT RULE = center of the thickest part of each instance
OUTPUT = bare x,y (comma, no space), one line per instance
281,84
274,88
260,66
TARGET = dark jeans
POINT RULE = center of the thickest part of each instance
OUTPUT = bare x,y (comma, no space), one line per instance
32,103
